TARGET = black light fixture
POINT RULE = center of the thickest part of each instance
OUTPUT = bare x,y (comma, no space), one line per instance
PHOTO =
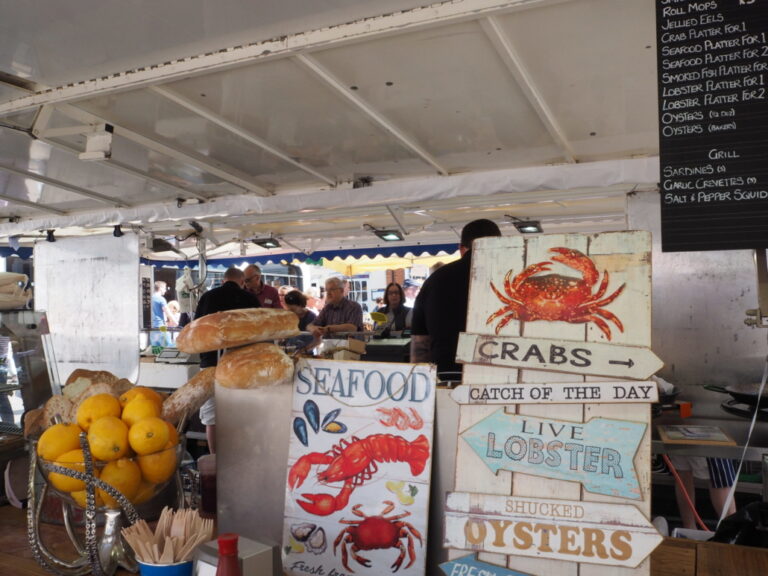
525,226
49,236
268,243
388,235
118,231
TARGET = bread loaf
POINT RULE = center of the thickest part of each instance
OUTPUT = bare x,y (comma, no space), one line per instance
81,379
237,328
190,396
58,408
262,364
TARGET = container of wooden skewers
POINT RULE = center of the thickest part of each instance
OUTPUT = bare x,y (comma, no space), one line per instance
168,549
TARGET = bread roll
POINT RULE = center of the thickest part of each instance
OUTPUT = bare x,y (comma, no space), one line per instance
262,364
190,396
237,328
34,423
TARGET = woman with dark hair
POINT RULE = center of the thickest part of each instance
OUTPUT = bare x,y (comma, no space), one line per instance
398,314
296,302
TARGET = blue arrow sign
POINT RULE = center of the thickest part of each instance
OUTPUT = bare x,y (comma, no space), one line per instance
470,565
598,453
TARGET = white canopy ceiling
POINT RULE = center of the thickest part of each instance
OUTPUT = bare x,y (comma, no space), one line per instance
305,120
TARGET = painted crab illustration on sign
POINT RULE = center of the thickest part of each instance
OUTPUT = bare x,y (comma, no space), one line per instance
552,297
377,532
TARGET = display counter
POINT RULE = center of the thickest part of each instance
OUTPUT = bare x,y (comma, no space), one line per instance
165,375
387,350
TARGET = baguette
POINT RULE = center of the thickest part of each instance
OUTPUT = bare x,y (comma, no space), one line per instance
262,364
190,396
236,328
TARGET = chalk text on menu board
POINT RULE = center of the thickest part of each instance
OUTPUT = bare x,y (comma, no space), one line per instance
713,121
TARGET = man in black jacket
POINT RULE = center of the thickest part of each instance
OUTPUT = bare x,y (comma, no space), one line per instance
229,296
440,312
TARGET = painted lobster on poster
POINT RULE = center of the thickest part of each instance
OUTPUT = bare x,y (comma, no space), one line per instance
554,297
353,462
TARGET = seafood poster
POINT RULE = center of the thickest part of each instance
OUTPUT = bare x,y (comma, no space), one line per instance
359,464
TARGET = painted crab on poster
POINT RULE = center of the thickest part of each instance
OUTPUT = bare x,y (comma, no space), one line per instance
532,295
357,490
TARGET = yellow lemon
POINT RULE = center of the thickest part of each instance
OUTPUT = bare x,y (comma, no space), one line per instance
145,492
108,438
153,395
123,474
140,407
79,497
160,466
173,435
95,407
148,435
58,439
74,460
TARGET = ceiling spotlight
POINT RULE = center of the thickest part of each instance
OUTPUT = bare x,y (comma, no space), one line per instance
268,243
49,236
118,231
388,235
525,226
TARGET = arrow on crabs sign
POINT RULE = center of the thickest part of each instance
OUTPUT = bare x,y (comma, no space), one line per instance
598,453
573,357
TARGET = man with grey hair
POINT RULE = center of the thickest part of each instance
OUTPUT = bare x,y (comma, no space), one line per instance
340,314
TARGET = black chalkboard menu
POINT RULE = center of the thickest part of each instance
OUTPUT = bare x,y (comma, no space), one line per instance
713,123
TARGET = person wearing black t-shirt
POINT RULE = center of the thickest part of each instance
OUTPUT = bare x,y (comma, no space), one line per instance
229,296
440,311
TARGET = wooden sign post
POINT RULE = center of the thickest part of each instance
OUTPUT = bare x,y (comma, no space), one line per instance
558,332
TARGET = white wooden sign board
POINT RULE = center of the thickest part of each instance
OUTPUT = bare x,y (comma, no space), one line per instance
589,532
357,495
557,392
599,290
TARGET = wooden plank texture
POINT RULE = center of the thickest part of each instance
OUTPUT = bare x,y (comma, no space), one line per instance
611,273
596,533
